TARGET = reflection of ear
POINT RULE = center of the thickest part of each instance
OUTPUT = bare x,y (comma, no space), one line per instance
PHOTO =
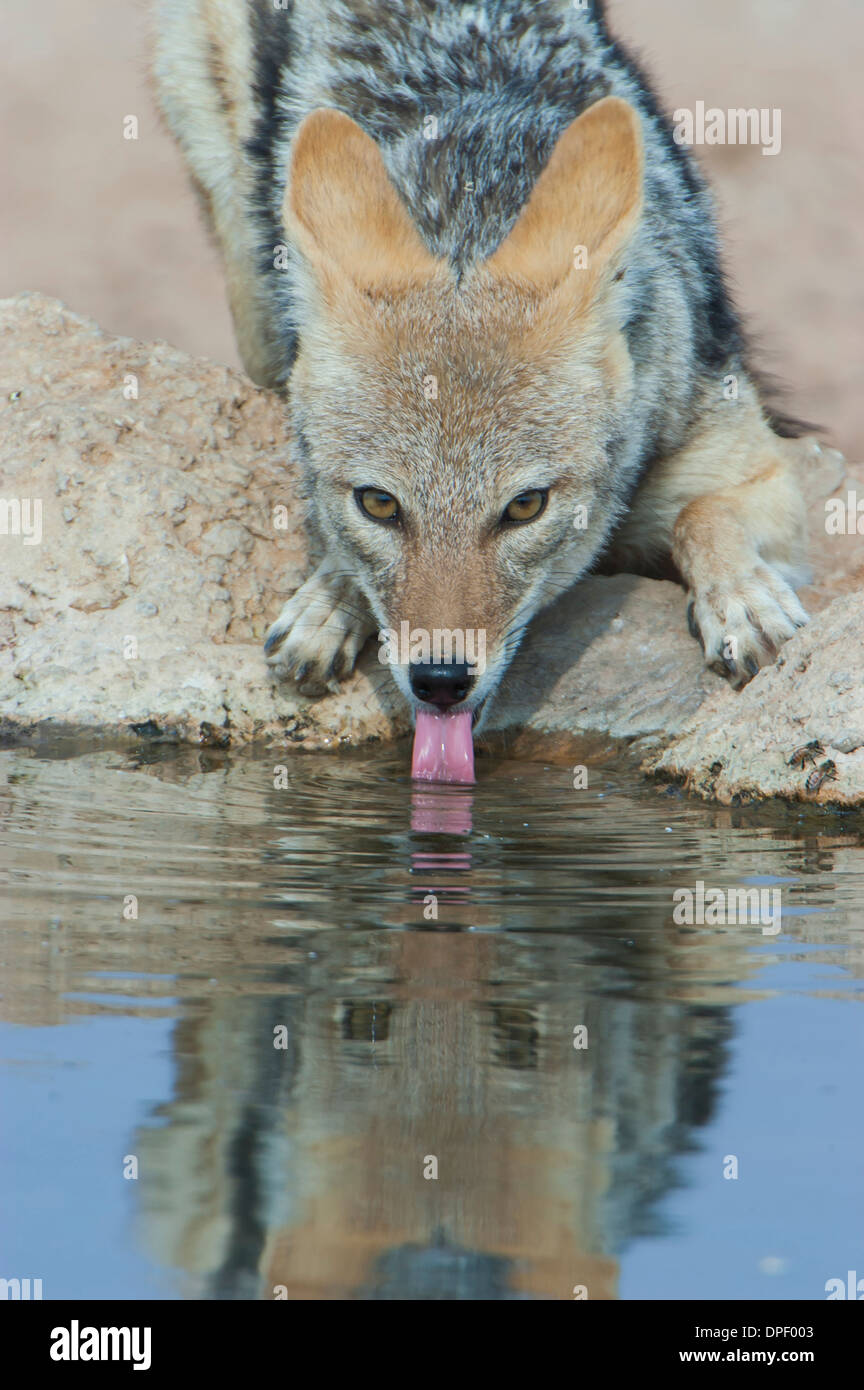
343,214
589,195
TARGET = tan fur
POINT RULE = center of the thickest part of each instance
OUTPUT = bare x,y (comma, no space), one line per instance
523,344
343,213
589,195
729,509
532,375
201,62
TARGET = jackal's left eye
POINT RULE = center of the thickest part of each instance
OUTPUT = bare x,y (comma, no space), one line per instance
381,506
526,507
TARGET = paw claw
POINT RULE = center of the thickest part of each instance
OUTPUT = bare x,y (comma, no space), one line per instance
272,640
319,633
742,623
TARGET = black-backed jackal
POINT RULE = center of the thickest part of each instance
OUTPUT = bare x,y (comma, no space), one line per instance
464,238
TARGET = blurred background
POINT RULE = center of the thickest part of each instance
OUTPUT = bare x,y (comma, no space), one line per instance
110,226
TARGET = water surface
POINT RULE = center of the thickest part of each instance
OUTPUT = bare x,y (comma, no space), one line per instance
311,1031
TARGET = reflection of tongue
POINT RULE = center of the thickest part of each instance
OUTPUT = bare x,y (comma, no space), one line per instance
443,748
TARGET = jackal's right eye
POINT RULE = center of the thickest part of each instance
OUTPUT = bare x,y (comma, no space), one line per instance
526,507
380,506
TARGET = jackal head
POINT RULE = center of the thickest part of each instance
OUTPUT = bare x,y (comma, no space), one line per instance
456,430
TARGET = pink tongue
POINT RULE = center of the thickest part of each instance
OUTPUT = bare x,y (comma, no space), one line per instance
443,748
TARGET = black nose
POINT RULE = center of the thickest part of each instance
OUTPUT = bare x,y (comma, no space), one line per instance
440,685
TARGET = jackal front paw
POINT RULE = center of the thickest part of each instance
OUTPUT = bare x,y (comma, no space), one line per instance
742,622
318,635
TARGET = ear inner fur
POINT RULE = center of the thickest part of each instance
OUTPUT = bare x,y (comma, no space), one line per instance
343,213
589,194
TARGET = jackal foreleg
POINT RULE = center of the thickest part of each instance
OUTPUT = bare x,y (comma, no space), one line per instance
729,510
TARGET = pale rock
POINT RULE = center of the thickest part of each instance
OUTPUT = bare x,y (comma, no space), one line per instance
142,611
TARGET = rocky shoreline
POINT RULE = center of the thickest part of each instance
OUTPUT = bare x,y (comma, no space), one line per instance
170,533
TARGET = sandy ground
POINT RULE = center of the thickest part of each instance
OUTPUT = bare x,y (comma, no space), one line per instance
109,226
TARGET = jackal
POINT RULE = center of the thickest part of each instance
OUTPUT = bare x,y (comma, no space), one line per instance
465,241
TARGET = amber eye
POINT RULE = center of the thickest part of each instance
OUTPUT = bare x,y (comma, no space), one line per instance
526,507
379,505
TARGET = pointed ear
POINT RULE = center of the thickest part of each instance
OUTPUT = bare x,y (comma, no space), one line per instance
343,214
589,195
